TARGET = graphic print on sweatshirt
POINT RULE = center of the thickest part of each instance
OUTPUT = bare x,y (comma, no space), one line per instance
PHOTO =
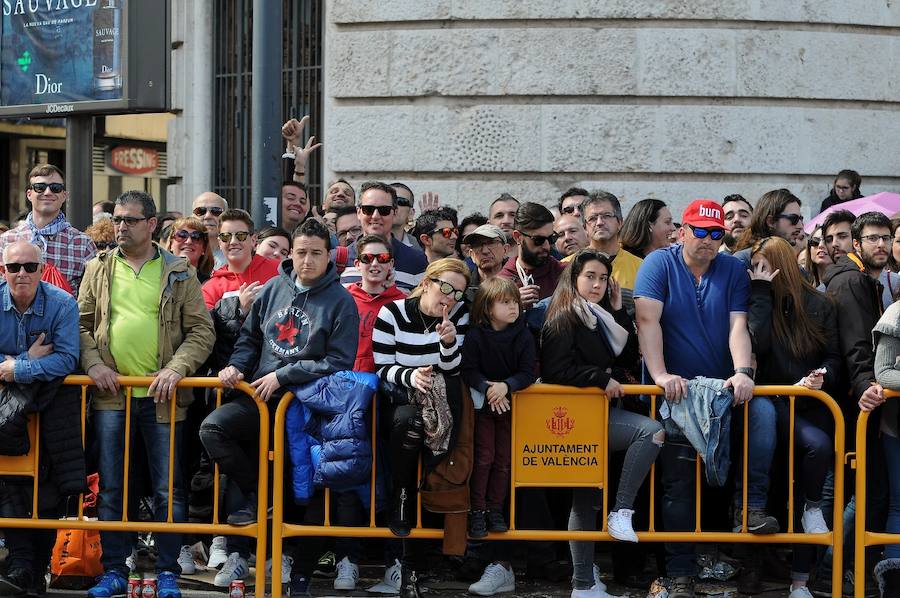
287,331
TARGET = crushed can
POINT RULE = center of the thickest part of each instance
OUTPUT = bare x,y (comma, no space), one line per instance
658,589
148,588
237,589
134,587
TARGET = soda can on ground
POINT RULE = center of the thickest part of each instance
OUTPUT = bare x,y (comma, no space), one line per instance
134,587
148,588
237,589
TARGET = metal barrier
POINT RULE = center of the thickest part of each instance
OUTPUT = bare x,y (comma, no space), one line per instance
27,466
561,403
862,537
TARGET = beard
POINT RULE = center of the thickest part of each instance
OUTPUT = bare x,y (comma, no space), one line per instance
532,258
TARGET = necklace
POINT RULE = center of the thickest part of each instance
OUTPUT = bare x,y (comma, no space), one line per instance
427,327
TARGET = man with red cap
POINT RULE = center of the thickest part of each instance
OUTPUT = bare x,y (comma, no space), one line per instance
691,307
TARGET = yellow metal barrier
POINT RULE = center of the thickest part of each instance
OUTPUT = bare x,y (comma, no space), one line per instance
560,410
26,465
862,537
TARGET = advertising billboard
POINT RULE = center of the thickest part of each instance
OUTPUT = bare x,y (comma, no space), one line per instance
72,56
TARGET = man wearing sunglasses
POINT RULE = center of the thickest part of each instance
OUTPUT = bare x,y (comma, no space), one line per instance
406,211
63,245
39,339
777,213
691,303
571,201
377,209
208,207
437,233
534,270
142,314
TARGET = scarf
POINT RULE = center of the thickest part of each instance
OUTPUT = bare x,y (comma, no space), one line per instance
58,225
436,414
593,316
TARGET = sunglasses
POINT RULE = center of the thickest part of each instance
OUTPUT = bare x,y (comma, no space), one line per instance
30,267
446,232
201,211
128,220
570,209
447,288
241,236
794,219
193,235
541,239
403,202
41,187
382,210
814,241
382,258
715,234
103,245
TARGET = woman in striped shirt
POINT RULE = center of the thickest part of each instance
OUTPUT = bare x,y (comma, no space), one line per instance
417,346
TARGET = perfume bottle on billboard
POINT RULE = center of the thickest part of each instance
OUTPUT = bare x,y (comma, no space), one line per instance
108,49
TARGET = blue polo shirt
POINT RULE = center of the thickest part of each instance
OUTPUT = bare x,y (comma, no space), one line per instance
695,317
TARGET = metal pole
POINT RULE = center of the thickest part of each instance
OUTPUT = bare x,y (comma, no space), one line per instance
265,114
79,170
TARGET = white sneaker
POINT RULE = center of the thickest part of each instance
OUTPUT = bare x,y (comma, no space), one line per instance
218,552
235,567
618,524
813,523
347,575
598,583
392,580
802,591
495,579
594,592
186,561
287,563
131,561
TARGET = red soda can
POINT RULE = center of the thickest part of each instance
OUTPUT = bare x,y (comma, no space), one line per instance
134,587
148,588
237,589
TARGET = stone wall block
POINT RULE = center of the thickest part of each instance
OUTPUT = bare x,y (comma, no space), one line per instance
372,139
366,11
445,62
359,63
688,62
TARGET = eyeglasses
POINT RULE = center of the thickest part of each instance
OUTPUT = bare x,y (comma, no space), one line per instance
794,219
873,239
571,209
446,232
350,232
241,236
41,187
402,201
382,258
103,245
714,233
128,220
202,210
447,288
194,235
814,241
541,239
603,215
30,267
382,210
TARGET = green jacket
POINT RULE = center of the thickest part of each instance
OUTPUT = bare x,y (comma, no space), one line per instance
186,334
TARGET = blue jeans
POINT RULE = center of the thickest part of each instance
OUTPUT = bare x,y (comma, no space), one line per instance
110,440
761,445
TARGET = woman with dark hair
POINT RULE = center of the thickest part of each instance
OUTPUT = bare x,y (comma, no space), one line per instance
793,328
273,243
648,226
817,259
845,187
187,238
588,340
890,275
417,346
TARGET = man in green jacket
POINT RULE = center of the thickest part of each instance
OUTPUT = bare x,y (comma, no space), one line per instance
142,314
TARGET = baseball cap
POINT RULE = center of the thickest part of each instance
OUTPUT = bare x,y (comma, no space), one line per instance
487,231
704,213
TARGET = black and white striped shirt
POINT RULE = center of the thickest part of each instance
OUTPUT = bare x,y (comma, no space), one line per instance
401,344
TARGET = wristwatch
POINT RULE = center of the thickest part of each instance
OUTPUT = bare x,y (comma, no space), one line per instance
748,371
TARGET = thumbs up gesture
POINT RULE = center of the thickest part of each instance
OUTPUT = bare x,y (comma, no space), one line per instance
446,330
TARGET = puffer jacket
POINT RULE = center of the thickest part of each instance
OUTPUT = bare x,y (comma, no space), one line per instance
328,436
186,335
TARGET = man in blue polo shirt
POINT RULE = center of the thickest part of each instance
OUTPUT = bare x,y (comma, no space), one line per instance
691,308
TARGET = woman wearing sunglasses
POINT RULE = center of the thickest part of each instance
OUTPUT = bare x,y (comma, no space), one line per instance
417,345
187,238
588,340
793,329
817,259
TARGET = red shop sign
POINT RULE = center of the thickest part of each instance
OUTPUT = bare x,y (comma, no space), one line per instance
133,160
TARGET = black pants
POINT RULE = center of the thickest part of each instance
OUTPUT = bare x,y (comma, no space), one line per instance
29,549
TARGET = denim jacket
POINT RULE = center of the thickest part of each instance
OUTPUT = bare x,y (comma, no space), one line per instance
54,313
704,417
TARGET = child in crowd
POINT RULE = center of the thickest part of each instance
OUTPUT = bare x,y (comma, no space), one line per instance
498,359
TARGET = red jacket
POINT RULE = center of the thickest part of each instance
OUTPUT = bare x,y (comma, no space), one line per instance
223,280
369,306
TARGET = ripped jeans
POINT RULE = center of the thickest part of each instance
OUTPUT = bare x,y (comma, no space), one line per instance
642,439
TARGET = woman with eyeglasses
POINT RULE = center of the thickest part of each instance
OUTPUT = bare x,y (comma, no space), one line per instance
817,259
417,348
187,238
588,340
647,227
793,329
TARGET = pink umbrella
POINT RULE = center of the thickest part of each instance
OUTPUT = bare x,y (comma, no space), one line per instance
884,202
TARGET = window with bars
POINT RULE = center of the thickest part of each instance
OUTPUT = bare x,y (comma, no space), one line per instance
232,73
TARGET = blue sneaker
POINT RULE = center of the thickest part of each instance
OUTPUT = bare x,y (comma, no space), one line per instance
111,585
167,585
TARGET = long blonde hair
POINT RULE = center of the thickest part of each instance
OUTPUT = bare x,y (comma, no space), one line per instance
438,267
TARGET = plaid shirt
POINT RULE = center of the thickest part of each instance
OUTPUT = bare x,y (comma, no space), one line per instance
69,251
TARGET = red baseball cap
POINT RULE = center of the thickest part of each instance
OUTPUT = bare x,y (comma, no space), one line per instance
704,213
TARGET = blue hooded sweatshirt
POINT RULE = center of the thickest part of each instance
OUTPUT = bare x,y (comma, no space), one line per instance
301,335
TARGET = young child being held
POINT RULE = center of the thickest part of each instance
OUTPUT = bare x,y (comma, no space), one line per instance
498,358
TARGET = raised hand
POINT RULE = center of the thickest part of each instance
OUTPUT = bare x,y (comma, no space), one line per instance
445,329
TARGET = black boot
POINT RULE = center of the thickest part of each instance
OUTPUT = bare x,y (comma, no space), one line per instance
409,584
403,511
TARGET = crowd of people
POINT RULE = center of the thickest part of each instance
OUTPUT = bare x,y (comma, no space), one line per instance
450,316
